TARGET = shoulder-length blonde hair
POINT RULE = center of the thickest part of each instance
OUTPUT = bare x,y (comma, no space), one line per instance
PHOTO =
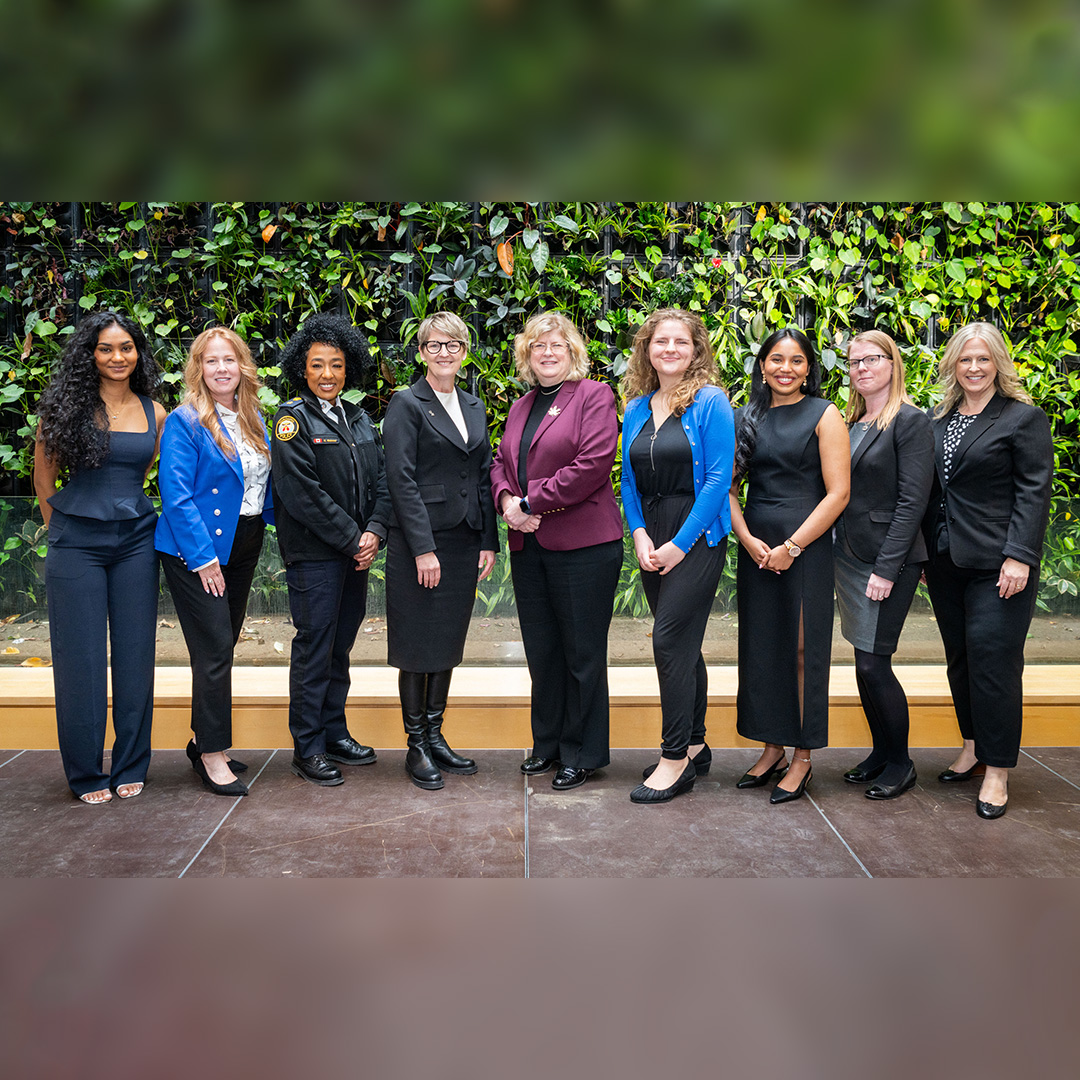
548,322
1006,381
247,393
898,395
641,377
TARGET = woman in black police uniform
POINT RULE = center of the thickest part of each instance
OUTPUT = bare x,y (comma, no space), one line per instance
442,534
988,512
100,429
332,509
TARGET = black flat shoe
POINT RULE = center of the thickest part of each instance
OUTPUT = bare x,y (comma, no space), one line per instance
779,795
950,777
534,766
702,761
233,788
685,782
749,780
348,751
567,778
317,770
989,810
859,775
193,755
891,791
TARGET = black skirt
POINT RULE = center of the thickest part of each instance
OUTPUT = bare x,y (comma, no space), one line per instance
426,628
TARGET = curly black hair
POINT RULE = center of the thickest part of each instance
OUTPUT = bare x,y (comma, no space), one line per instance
74,425
324,329
753,412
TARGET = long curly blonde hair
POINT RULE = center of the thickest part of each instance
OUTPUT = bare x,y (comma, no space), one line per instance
641,378
1006,381
247,394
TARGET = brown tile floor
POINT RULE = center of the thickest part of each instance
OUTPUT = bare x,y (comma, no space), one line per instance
498,824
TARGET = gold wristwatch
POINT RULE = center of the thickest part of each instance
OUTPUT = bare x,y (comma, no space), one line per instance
793,549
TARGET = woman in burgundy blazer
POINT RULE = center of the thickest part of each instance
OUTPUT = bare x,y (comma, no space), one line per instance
551,482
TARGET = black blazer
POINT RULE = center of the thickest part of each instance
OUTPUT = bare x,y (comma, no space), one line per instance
436,479
329,483
997,502
891,474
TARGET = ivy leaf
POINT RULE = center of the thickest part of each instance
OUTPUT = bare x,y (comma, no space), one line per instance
409,209
529,238
603,324
955,269
401,257
539,256
498,225
567,223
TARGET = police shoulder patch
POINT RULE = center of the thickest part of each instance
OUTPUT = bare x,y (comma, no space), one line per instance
285,428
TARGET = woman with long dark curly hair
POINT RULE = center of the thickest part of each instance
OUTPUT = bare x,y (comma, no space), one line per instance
793,448
215,480
332,510
99,430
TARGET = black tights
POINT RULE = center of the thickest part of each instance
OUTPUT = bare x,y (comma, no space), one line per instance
886,707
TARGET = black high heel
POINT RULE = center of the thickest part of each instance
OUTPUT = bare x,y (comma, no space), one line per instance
193,753
778,769
779,795
235,788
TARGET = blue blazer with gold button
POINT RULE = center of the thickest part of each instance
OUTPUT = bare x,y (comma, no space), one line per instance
201,492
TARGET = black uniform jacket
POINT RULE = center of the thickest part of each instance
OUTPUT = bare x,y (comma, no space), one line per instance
891,474
997,500
329,482
436,479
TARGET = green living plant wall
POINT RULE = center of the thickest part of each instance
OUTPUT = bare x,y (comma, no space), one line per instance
918,271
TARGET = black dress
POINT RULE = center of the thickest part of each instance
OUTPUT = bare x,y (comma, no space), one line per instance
785,484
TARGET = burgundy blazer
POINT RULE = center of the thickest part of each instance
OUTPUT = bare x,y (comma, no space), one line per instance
569,467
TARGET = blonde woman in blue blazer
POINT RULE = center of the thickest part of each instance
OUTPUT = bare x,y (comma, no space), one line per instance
215,494
678,455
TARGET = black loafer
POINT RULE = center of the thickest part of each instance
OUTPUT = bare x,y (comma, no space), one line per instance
317,770
891,791
533,766
569,778
950,777
989,810
859,775
349,752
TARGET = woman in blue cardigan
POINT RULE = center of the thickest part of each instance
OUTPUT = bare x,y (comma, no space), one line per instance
214,478
678,457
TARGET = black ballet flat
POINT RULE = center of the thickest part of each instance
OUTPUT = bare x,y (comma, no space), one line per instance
779,795
988,810
950,777
859,775
749,780
892,791
702,763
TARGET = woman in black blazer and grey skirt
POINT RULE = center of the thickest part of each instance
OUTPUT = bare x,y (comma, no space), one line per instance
988,513
442,540
879,549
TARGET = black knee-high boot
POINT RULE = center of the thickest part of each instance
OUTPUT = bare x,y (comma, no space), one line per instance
438,689
412,689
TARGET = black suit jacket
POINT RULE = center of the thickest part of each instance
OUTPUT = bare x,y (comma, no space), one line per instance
329,482
891,474
996,503
437,480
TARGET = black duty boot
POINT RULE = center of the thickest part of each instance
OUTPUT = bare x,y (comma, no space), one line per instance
438,688
418,764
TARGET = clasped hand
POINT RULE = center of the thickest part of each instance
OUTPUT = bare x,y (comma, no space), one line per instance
517,519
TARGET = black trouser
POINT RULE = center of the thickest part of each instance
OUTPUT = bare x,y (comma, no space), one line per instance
565,600
681,601
211,626
984,639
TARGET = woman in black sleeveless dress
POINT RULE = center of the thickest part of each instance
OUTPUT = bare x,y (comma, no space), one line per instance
100,428
793,449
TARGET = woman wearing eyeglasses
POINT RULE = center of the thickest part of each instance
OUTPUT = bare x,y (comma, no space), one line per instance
442,540
551,482
879,549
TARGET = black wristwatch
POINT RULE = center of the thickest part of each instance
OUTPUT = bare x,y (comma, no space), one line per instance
525,507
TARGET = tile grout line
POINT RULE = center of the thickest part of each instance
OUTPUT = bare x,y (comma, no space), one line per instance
225,817
1048,769
526,779
12,758
839,837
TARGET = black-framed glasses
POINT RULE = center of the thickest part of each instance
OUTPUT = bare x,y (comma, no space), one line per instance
435,347
869,362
